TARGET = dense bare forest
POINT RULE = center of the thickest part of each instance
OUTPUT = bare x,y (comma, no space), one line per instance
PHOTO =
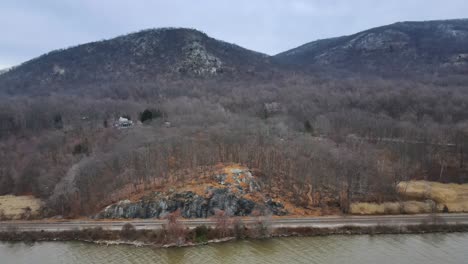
351,139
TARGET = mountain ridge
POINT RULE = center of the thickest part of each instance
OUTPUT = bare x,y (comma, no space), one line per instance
167,54
426,46
137,57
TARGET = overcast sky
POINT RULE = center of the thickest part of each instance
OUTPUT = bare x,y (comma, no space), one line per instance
33,27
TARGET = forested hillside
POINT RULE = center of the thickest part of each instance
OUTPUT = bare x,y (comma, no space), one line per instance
396,50
317,139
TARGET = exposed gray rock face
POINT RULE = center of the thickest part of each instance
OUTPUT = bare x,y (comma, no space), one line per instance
199,61
236,183
190,205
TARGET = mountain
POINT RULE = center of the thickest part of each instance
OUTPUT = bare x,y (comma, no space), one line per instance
148,60
216,127
405,47
2,71
144,56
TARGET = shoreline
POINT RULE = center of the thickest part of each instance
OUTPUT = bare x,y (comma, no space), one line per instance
143,238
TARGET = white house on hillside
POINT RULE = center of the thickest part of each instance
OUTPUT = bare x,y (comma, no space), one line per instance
123,122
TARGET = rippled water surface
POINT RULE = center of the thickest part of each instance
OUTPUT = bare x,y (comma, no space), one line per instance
427,249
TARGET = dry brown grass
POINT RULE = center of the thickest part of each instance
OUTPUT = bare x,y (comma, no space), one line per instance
438,192
407,207
14,207
457,207
419,194
416,207
374,208
453,196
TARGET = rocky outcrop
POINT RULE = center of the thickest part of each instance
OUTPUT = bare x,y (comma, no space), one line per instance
191,205
199,61
229,196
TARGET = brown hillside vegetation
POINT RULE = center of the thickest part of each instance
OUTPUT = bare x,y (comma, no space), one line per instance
317,140
79,163
228,188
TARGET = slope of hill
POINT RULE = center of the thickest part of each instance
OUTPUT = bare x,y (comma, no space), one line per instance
313,143
398,48
139,57
122,64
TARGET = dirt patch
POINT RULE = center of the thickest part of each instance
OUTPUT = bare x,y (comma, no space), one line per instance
18,207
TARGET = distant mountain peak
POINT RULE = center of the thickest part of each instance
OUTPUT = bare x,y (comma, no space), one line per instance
143,56
167,54
195,57
399,47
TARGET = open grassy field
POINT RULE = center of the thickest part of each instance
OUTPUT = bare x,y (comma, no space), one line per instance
453,196
420,197
406,207
17,207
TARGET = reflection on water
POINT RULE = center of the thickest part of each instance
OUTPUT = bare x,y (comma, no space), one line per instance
427,249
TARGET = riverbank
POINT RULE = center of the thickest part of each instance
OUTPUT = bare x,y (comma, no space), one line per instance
178,236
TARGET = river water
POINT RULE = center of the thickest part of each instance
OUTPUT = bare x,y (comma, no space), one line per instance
381,249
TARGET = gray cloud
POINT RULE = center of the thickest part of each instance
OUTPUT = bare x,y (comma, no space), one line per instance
31,28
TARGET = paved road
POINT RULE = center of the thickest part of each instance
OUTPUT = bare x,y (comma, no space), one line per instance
331,221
